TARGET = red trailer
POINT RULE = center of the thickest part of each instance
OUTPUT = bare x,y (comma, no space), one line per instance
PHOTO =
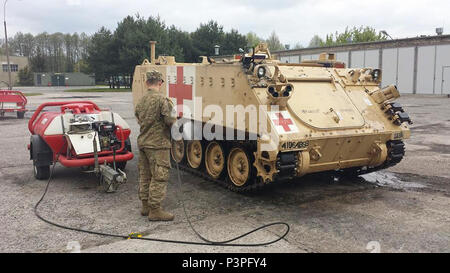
12,101
80,134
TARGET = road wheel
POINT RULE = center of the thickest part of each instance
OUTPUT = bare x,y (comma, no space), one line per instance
177,151
239,166
215,160
194,154
20,115
352,172
41,172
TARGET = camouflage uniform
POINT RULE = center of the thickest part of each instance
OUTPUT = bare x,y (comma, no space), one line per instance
155,115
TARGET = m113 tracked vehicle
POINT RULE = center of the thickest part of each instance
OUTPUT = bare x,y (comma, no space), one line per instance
252,120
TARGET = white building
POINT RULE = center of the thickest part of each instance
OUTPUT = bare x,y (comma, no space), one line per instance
415,65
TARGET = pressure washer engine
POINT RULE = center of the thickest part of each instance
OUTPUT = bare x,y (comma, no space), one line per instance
81,135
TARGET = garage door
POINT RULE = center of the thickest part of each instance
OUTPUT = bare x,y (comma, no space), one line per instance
446,80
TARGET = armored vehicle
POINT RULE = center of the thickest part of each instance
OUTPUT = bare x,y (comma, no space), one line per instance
310,117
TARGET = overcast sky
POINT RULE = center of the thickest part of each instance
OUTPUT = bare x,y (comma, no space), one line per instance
293,21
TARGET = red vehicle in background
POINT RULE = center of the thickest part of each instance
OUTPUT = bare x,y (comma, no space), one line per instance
12,101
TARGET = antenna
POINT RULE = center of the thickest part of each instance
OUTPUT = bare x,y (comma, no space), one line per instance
384,32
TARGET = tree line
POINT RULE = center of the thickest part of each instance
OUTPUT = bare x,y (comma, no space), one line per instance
46,52
112,54
354,35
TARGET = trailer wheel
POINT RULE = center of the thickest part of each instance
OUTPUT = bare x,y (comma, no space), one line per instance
123,164
20,115
41,172
42,157
128,144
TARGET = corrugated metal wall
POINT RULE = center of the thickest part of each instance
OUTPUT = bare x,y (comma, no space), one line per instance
398,66
372,59
405,69
389,60
425,69
446,83
310,57
442,69
342,57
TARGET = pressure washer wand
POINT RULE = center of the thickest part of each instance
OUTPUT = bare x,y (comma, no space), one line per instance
96,168
114,158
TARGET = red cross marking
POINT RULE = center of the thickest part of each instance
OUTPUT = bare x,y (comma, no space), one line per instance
180,91
283,122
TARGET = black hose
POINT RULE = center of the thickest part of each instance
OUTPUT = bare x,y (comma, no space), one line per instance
206,241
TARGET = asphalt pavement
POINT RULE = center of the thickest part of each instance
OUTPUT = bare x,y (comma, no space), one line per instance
402,209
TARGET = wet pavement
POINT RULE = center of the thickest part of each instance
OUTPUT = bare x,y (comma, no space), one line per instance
401,209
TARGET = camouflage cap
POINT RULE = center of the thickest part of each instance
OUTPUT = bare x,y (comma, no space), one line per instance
154,75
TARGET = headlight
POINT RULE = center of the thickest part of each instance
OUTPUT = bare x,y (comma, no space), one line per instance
287,90
376,74
261,72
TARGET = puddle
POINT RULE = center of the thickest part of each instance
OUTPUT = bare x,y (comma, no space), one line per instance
414,147
386,179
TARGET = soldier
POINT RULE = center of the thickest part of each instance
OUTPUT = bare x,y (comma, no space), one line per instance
155,115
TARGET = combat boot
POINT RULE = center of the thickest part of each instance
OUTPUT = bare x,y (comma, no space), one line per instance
159,215
145,209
